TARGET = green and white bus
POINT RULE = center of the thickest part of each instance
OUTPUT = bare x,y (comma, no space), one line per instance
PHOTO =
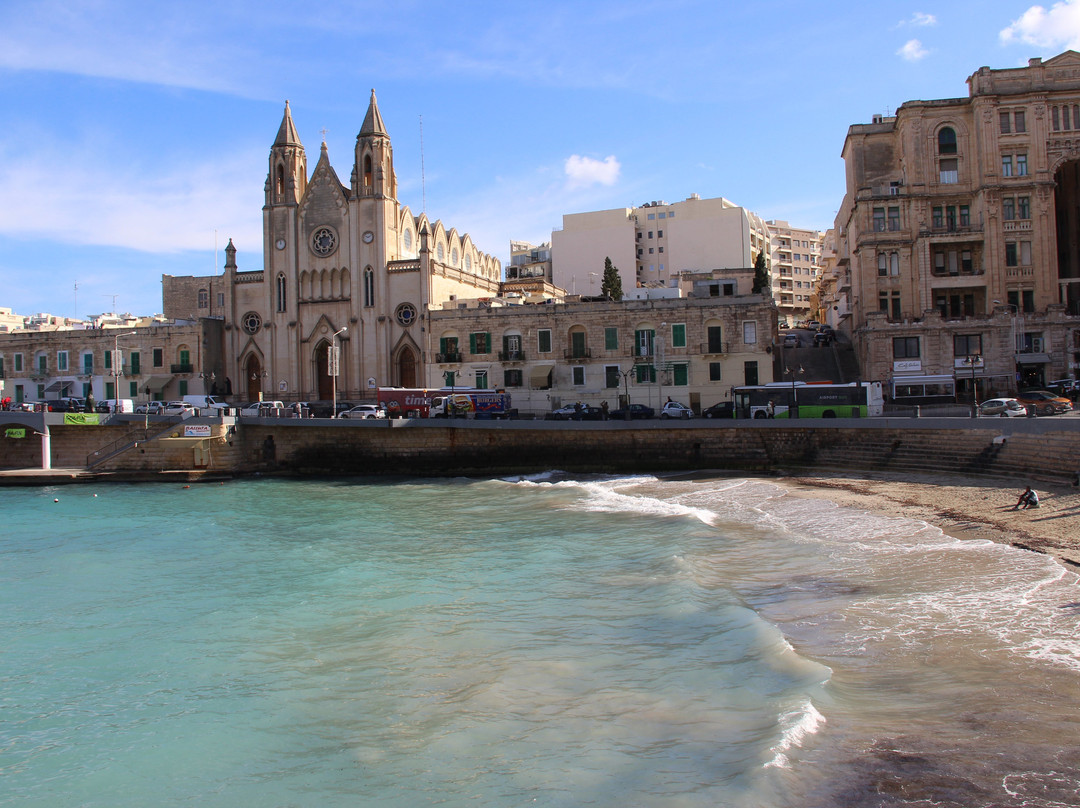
810,400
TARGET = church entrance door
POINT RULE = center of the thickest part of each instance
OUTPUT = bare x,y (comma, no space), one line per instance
324,383
406,368
253,374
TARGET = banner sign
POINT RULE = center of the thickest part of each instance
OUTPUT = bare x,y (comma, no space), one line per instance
197,431
15,432
81,419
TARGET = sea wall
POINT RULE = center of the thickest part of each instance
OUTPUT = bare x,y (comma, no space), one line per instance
1045,449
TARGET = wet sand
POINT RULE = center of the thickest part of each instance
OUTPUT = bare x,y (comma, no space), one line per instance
961,507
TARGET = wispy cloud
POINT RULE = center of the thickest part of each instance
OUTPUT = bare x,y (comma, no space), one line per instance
67,195
922,19
912,51
1058,27
582,172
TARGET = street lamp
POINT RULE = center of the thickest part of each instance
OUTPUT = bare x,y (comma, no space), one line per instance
793,411
334,361
973,360
118,368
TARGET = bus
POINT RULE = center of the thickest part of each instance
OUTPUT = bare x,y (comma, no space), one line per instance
855,400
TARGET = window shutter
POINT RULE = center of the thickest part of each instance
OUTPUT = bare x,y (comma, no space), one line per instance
487,342
472,343
442,346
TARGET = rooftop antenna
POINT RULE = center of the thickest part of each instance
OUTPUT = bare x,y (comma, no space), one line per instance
76,300
423,182
113,302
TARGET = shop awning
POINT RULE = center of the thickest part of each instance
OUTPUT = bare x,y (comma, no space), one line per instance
540,377
56,387
155,383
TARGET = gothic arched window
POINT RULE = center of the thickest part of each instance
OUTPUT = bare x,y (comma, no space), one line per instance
369,287
281,291
280,182
367,170
946,140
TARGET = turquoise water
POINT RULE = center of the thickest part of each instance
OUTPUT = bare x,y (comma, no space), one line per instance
545,641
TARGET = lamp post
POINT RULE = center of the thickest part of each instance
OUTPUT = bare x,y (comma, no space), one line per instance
118,368
793,411
973,361
334,360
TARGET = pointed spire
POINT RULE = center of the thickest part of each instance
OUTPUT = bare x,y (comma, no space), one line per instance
287,135
373,123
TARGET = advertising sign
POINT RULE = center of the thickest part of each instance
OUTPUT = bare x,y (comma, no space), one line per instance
81,419
15,432
197,431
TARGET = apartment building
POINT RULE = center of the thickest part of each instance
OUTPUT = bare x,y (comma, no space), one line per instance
796,268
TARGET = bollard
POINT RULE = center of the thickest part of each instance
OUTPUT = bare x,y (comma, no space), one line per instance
916,412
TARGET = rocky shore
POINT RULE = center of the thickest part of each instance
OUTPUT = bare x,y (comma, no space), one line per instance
961,507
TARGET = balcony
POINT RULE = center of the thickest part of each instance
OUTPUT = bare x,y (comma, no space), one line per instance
511,356
181,368
943,227
712,347
942,272
577,353
447,358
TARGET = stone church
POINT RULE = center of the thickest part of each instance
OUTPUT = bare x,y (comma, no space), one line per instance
343,265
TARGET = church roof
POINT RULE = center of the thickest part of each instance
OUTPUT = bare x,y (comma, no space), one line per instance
373,122
287,135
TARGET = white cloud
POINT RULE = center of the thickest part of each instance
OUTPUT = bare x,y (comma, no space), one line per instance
582,172
1059,27
912,51
922,19
74,197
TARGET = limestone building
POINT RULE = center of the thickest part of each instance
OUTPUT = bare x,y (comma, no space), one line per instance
960,228
796,267
345,266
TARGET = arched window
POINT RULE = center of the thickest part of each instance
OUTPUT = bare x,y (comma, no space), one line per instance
407,238
946,140
281,291
367,170
453,257
468,262
369,287
204,299
440,251
280,185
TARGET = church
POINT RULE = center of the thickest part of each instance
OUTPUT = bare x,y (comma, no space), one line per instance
344,266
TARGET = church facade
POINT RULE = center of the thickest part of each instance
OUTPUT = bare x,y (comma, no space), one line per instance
345,266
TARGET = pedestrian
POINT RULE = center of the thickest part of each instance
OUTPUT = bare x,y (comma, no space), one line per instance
89,402
770,409
577,411
604,409
1028,499
297,410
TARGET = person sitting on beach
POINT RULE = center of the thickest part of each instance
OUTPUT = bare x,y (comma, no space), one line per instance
1028,499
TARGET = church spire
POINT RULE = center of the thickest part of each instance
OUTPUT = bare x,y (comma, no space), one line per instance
373,123
287,135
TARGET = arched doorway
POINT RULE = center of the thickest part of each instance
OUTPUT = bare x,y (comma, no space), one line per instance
253,375
323,383
406,367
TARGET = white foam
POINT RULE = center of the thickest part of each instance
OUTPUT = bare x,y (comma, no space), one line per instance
796,725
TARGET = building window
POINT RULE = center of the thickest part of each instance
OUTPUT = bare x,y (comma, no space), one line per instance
882,265
680,374
369,287
133,359
1018,119
894,219
543,340
281,291
879,223
1021,165
714,334
947,141
643,342
750,372
1006,165
159,357
1011,254
1025,253
512,378
611,339
480,342
18,362
651,216
678,335
1054,115
182,387
890,304
645,374
611,376
62,360
659,233
578,375
1008,208
133,389
967,344
905,347
650,233
204,299
749,332
715,373
221,300
1005,121
43,363
949,172
481,379
894,263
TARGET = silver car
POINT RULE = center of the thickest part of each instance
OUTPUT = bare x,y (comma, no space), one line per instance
1003,408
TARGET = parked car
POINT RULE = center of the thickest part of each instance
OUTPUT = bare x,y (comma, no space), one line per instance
824,336
791,340
725,409
151,408
113,405
636,411
674,409
1069,388
364,411
1043,402
185,409
265,409
66,404
1003,407
576,412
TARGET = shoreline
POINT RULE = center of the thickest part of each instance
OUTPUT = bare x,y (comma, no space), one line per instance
959,506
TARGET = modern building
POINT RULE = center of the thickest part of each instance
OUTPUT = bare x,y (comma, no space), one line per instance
796,268
960,228
655,244
347,271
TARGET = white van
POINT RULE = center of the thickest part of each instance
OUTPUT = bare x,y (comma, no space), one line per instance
206,404
113,405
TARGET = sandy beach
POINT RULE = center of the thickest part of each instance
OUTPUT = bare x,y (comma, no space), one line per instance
961,507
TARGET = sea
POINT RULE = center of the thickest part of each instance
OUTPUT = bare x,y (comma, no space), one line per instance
550,640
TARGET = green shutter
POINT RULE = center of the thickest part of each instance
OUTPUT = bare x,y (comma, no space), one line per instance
472,343
506,346
133,389
183,383
108,360
544,341
487,342
611,339
134,359
185,357
577,343
442,346
682,375
678,336
110,391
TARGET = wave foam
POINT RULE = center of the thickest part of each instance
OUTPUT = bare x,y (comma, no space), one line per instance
796,725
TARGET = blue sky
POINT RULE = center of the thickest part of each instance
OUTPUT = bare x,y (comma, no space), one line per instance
135,135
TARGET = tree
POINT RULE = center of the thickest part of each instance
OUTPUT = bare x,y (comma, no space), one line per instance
611,286
761,275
